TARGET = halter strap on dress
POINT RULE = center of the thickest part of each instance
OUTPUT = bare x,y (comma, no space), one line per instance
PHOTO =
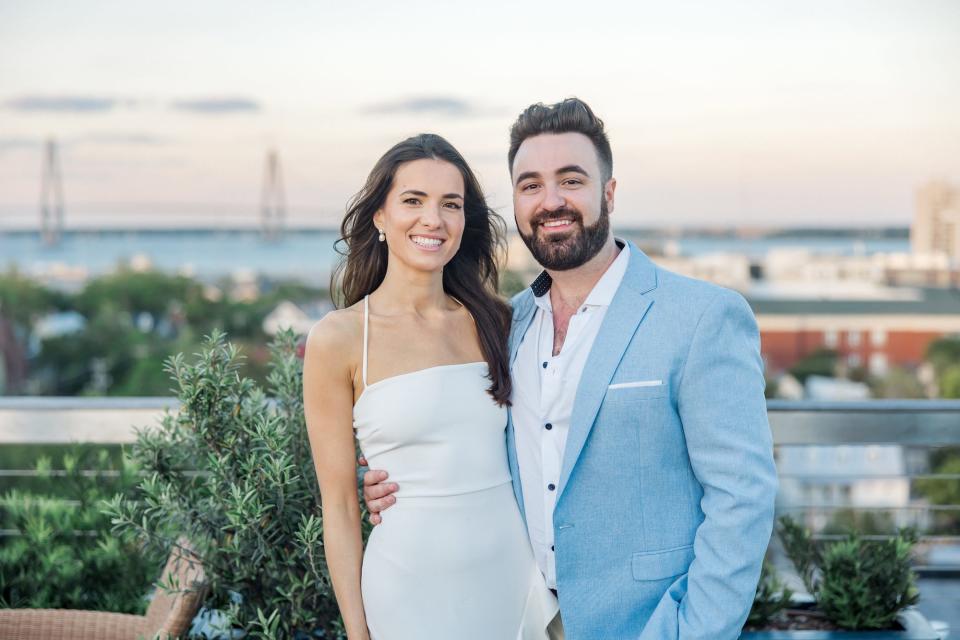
366,330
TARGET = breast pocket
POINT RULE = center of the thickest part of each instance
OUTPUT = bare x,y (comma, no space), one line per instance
637,390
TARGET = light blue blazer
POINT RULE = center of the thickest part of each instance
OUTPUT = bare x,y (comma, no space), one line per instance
665,501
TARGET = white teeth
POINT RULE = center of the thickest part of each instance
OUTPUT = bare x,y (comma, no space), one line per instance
426,242
555,223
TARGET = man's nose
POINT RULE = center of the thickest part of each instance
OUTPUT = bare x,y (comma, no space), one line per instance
553,199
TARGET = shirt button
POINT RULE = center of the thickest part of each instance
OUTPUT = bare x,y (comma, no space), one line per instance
551,486
544,365
548,426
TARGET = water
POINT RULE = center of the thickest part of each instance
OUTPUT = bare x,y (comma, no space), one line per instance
756,249
308,254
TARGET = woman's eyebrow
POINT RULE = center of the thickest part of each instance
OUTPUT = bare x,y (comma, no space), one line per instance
415,192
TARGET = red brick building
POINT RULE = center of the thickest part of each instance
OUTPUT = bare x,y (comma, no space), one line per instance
875,334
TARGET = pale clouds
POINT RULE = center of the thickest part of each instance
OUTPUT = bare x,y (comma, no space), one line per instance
218,105
124,138
99,104
436,105
62,103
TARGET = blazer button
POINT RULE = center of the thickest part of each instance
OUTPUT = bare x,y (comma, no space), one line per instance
548,426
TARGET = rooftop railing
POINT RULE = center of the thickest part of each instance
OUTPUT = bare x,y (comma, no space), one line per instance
889,446
850,457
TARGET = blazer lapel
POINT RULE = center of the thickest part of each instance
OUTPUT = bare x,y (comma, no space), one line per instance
523,312
624,315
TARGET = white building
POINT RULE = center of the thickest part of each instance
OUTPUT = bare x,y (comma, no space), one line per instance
936,222
299,317
821,480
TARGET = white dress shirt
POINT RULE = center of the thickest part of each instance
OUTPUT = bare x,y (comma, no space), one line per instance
544,388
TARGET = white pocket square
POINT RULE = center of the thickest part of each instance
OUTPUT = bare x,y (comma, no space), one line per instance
637,383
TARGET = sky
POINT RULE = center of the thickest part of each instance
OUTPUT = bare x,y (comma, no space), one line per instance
719,113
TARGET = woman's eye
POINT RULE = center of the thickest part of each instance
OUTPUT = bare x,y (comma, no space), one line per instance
412,201
454,205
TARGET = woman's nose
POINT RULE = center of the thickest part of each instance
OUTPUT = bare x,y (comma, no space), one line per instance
430,217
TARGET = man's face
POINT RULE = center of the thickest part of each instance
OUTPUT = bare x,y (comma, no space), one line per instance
560,201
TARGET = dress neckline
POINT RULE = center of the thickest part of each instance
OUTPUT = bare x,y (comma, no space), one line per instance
374,385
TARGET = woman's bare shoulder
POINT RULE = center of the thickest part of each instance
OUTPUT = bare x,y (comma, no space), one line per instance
337,335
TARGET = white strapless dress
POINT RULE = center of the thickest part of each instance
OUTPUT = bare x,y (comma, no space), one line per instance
451,558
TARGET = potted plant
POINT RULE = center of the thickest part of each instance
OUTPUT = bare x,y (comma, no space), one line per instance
233,472
857,588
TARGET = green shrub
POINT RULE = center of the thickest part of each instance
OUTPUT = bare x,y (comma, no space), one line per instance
772,597
857,583
802,551
65,556
945,491
822,362
865,522
234,473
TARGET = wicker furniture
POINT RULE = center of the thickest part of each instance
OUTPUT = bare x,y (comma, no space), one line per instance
168,616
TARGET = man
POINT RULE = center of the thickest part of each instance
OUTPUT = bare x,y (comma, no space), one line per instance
638,440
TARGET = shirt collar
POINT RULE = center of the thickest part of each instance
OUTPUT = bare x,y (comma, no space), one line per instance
602,293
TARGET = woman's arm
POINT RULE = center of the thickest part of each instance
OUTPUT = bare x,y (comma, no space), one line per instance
328,406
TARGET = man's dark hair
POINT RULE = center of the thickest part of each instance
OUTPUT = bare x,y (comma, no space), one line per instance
570,116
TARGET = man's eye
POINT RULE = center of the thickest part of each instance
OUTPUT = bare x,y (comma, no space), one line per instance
573,181
529,187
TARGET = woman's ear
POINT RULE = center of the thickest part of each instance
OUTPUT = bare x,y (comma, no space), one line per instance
378,219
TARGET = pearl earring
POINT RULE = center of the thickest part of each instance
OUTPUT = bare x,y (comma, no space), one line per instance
383,236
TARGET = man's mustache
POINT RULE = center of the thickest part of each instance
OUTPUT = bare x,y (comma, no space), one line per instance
558,214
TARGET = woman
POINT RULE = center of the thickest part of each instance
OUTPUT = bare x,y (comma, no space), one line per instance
416,368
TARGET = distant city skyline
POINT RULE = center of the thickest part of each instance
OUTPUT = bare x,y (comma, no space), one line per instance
724,114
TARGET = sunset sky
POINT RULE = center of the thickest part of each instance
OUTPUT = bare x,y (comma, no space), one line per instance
727,113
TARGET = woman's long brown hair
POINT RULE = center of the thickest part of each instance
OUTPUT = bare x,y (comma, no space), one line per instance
472,274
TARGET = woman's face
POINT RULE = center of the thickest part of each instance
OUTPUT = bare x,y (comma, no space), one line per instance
423,216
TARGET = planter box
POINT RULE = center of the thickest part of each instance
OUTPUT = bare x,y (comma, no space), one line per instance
915,627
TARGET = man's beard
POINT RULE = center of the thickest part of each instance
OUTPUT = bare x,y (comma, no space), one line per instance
572,249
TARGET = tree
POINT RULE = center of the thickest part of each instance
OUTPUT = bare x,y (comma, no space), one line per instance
950,382
822,362
21,302
944,353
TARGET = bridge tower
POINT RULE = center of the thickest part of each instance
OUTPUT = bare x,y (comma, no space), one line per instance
273,201
51,195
